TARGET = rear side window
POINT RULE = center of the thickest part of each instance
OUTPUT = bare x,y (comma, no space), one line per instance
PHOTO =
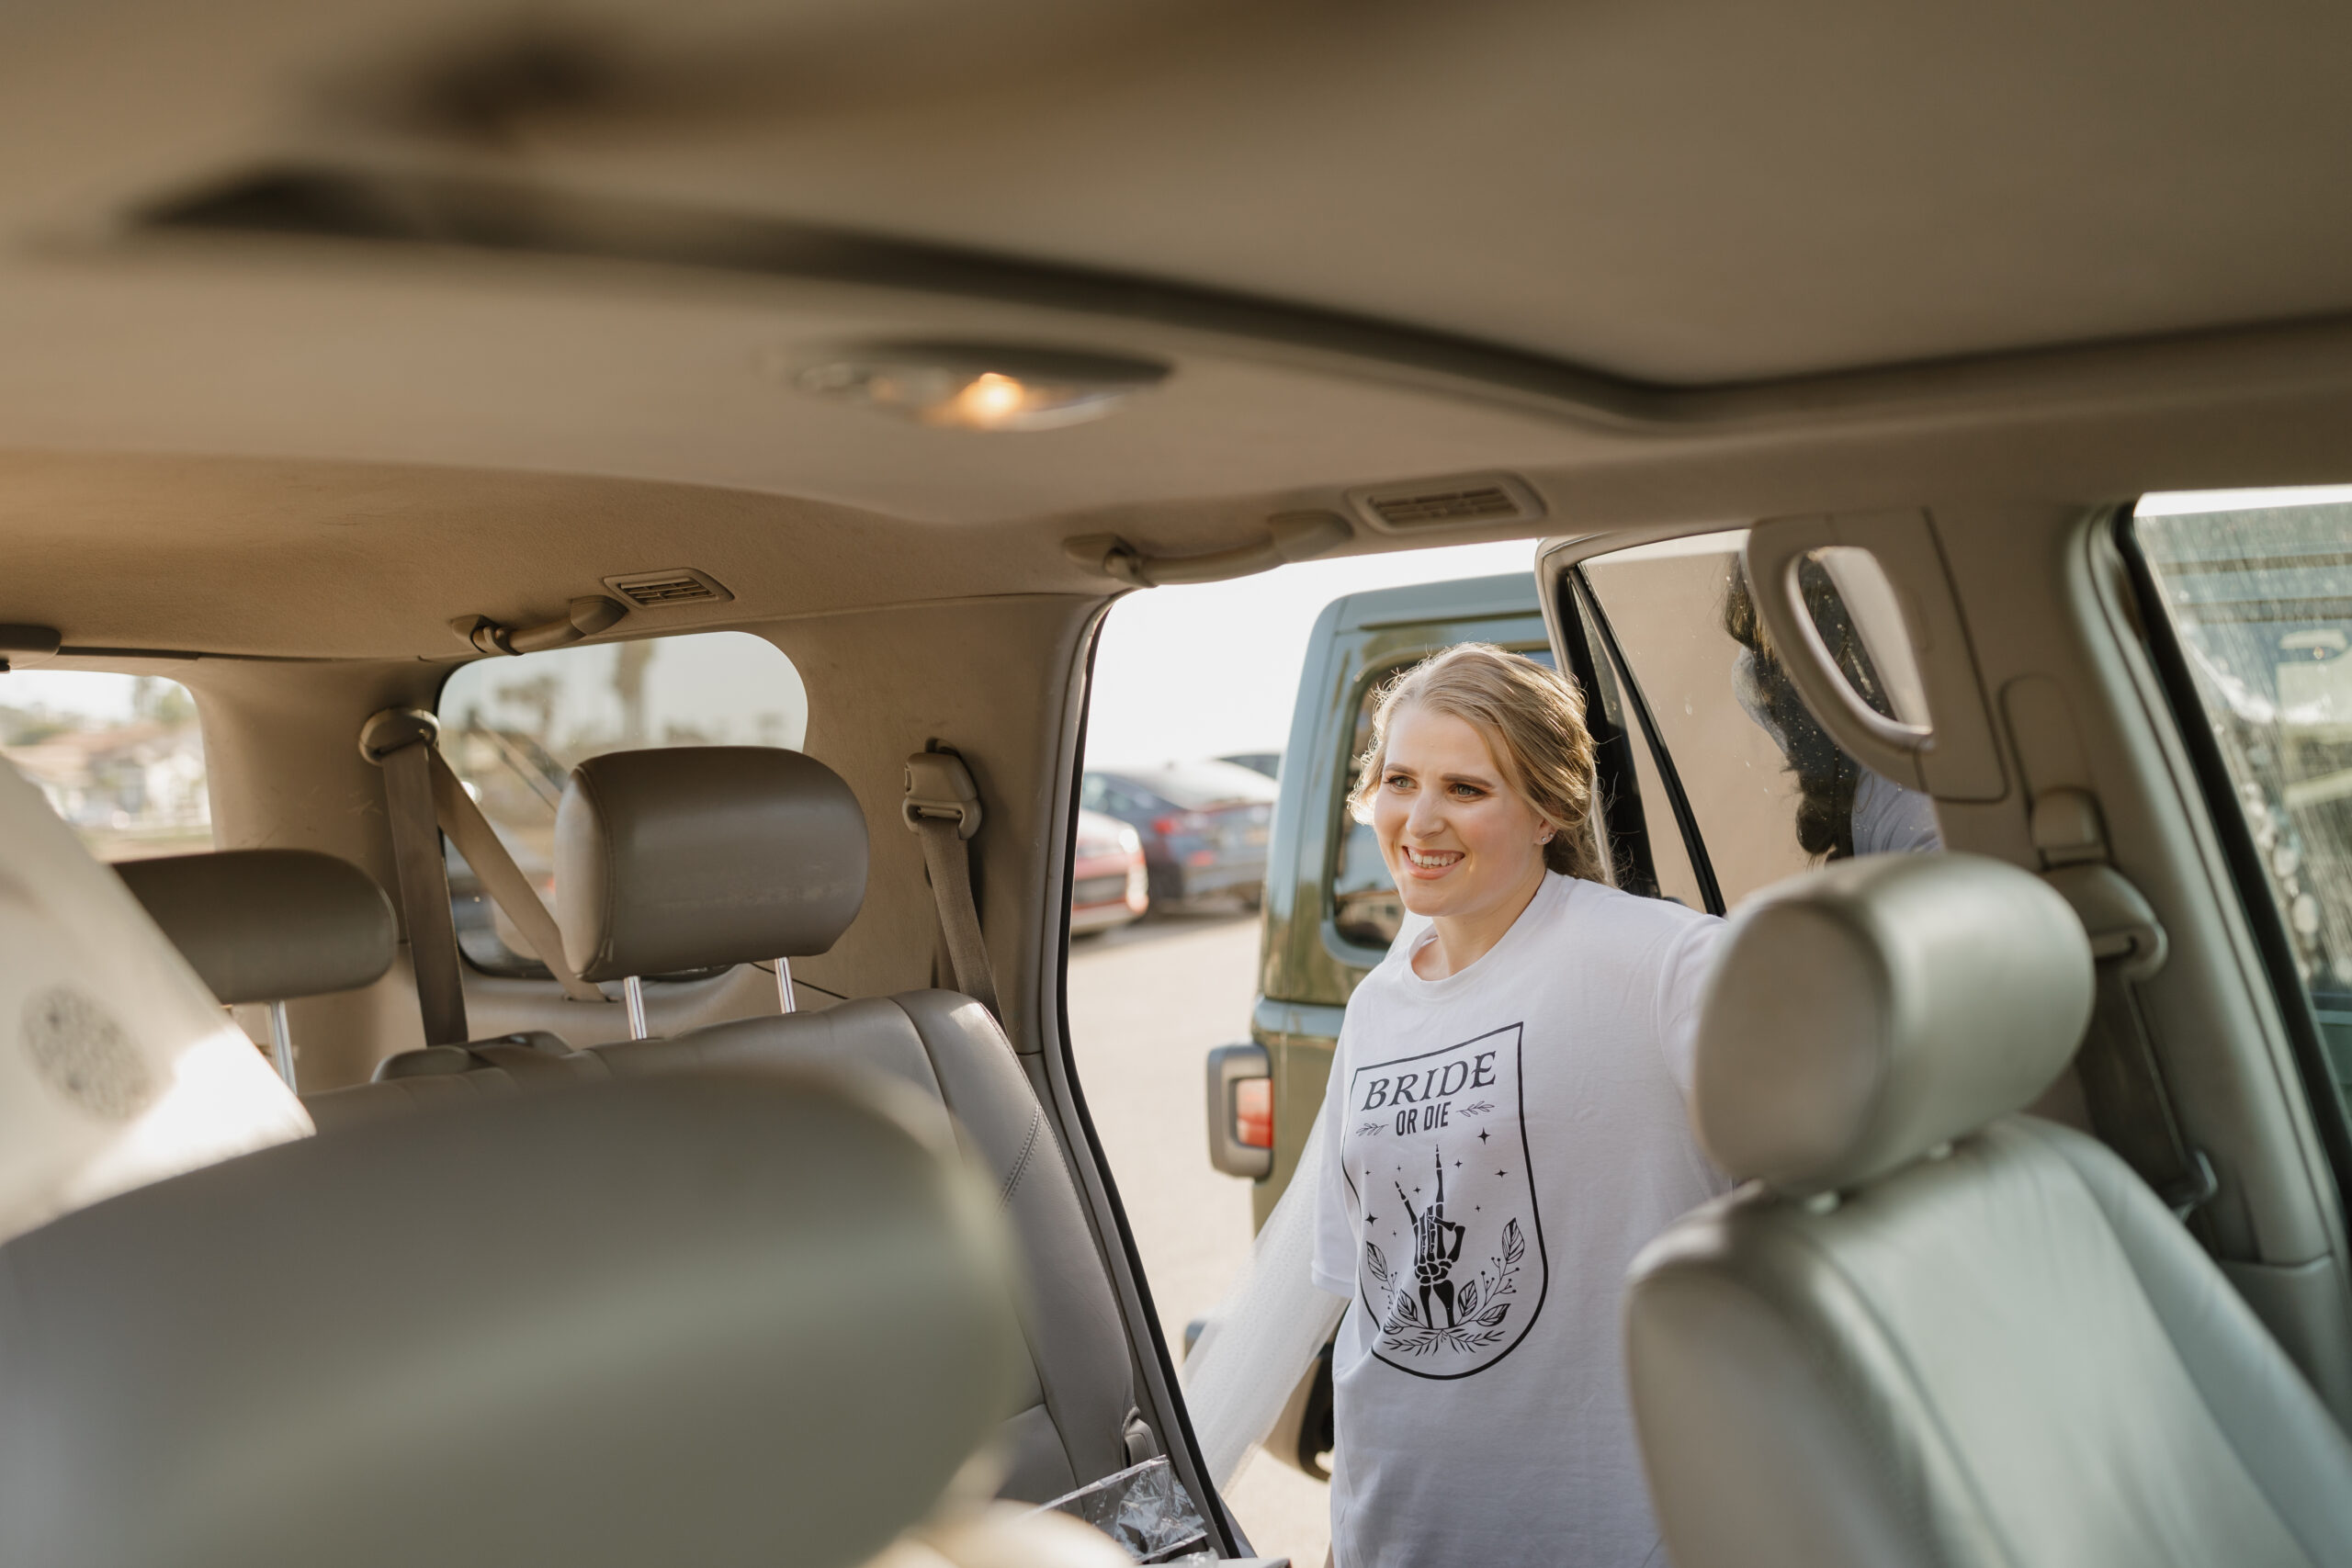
513,729
120,757
2256,587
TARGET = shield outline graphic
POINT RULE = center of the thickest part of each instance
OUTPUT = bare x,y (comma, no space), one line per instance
1518,1032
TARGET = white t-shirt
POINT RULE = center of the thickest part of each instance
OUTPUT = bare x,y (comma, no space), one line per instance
1498,1147
1890,819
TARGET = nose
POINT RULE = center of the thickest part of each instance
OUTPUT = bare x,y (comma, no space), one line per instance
1428,817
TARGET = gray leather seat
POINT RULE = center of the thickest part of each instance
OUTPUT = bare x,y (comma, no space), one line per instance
755,1319
1929,1330
695,857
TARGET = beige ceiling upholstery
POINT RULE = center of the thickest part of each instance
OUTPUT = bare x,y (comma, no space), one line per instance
1666,263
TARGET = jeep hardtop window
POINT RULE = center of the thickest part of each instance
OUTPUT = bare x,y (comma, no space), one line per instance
1365,907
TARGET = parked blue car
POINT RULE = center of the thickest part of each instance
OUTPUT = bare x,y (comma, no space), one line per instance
1203,826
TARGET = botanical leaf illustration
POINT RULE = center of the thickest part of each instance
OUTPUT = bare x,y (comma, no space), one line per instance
1493,1317
1468,1303
1514,1247
1376,1264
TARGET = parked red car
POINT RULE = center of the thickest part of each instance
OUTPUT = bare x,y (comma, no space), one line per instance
1109,885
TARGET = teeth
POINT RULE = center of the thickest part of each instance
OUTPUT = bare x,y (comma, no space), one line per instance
1432,859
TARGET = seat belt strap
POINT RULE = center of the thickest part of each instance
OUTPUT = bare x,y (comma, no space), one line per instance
503,879
2123,1087
943,808
400,740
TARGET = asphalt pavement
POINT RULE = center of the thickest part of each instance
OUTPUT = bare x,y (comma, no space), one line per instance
1146,1004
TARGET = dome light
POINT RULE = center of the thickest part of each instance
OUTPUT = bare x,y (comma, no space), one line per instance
978,386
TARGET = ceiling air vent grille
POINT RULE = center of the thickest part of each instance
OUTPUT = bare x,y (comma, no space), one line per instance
1468,501
660,589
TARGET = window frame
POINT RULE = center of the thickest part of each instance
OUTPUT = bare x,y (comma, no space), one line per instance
1579,601
2324,1098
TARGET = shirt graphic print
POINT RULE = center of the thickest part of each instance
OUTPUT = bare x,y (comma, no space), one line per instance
1454,1270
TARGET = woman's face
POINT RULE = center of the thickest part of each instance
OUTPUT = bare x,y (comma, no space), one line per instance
1458,839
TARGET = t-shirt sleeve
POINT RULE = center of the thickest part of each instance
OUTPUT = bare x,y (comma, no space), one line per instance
1687,956
1334,1265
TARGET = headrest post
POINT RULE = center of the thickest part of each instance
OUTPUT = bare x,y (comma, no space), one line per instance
282,1042
784,986
633,993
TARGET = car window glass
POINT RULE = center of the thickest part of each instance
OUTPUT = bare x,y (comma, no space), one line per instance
514,728
1770,793
1206,785
1365,905
121,758
2257,587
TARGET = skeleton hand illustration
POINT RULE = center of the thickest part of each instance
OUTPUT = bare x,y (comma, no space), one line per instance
1433,1256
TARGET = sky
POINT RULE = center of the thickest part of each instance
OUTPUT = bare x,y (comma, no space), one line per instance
1200,672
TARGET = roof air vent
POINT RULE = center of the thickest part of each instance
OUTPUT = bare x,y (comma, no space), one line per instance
660,589
1474,500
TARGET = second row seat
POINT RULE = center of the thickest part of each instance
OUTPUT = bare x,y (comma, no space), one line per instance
700,857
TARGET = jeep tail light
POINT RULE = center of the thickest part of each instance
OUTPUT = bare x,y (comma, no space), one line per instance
1253,1113
1241,1110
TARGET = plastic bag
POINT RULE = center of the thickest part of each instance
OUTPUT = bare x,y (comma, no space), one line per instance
1147,1510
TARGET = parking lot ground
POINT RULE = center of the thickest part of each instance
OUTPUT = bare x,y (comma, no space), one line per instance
1146,1004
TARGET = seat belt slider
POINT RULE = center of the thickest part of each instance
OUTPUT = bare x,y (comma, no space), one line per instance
939,787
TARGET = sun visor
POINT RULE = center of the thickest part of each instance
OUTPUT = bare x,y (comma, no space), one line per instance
117,1067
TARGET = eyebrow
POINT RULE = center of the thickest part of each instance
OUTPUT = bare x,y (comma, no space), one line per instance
1480,779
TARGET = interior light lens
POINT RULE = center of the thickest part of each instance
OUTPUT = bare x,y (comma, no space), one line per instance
966,387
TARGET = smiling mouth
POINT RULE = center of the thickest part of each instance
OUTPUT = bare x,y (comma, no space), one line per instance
1429,860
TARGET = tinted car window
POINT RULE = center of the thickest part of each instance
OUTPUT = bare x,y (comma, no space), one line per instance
2258,593
514,728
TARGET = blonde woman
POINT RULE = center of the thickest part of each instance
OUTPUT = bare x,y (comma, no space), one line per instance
1504,1129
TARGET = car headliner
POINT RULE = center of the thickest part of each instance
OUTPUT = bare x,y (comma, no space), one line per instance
1666,264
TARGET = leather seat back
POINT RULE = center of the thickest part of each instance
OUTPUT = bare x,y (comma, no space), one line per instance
747,851
750,852
1074,1419
1928,1330
737,1319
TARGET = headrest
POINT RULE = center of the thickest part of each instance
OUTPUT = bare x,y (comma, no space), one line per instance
264,925
715,1320
1859,1016
695,856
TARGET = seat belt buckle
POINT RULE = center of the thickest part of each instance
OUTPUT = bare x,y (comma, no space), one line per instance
940,788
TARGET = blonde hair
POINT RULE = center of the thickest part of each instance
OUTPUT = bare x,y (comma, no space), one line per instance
1533,721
